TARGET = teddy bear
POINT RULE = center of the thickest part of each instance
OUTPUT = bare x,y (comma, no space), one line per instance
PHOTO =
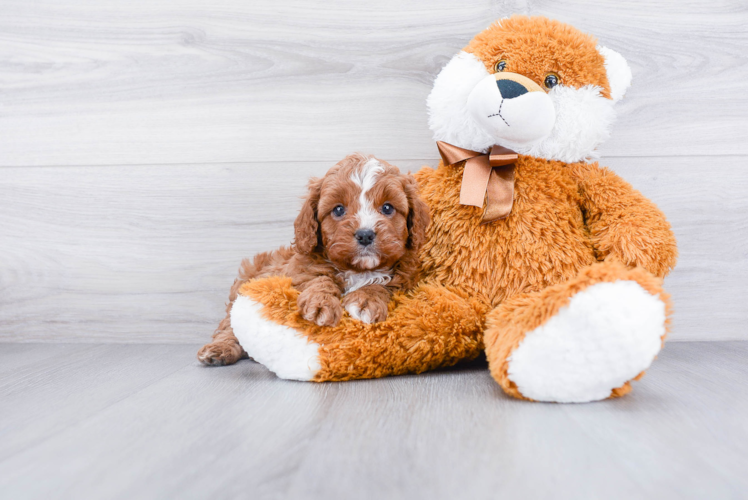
537,256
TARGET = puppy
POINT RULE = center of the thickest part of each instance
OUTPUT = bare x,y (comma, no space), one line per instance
356,241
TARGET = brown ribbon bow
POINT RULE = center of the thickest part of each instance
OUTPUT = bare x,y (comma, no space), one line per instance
484,174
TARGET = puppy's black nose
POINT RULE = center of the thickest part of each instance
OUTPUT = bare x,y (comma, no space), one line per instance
365,237
510,89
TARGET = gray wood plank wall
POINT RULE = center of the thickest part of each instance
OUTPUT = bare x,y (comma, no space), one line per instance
146,146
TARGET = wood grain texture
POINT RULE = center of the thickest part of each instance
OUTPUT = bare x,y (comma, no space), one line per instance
147,253
173,82
155,424
64,390
182,132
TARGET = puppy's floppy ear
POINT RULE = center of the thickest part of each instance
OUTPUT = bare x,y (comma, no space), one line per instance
307,235
418,214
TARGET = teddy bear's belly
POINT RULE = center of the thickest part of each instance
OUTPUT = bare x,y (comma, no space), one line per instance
525,252
544,241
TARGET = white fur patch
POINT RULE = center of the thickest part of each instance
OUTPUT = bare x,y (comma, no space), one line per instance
365,178
604,337
583,116
283,350
619,73
356,313
583,121
450,119
355,280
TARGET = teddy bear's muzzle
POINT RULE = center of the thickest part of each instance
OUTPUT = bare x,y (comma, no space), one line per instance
512,108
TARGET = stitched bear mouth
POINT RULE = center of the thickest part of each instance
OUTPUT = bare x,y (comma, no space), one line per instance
498,113
523,119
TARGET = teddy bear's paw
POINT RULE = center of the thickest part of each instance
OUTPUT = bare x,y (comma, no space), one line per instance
365,308
607,335
283,350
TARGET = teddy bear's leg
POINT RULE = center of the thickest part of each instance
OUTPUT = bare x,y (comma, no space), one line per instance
429,328
578,341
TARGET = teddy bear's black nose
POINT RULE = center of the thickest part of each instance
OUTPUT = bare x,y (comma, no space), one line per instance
510,89
365,237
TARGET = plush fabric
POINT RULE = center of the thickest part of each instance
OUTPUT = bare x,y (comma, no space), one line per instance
565,294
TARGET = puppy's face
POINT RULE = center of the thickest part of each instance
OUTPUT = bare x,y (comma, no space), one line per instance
365,214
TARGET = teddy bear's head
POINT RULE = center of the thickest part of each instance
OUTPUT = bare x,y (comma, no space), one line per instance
534,85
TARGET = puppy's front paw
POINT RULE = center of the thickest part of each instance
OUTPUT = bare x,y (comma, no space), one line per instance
364,307
320,308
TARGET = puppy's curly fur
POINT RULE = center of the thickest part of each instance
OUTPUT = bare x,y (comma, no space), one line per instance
357,240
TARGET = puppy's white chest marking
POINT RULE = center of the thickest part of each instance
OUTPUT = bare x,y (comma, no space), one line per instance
355,280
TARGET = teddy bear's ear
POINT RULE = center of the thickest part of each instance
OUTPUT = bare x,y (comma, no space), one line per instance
619,73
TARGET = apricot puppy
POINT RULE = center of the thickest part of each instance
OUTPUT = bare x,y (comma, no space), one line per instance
357,240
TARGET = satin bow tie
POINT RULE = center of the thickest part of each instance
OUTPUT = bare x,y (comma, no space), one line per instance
486,175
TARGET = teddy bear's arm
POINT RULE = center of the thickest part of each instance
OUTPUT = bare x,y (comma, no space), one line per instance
624,225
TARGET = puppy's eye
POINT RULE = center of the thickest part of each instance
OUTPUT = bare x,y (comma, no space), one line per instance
500,66
388,209
338,211
551,80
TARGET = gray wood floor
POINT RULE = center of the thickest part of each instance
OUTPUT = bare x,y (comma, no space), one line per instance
147,421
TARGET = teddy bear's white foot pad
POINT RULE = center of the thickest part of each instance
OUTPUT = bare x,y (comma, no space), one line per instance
604,337
283,350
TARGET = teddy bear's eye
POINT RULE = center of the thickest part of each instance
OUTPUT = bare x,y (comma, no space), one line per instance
551,80
501,65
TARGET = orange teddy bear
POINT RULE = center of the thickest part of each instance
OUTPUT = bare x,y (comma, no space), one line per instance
550,263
